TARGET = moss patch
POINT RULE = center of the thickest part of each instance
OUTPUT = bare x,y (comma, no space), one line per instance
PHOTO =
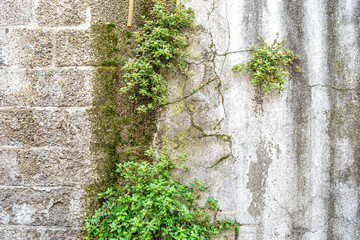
119,133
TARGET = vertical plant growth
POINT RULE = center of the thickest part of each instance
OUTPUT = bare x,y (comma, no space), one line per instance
142,200
159,46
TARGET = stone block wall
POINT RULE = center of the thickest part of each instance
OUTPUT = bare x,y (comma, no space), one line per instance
45,92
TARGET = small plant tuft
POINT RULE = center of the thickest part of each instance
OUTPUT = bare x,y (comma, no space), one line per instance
269,64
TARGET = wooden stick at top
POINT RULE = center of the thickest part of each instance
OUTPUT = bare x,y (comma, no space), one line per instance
131,13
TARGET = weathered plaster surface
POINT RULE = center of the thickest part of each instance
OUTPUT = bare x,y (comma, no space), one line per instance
286,166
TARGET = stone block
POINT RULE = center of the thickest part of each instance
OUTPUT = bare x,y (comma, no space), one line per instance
73,48
108,11
55,166
45,88
11,85
114,11
25,206
40,234
61,12
39,128
27,47
14,13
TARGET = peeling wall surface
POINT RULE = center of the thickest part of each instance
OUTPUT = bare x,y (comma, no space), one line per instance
286,166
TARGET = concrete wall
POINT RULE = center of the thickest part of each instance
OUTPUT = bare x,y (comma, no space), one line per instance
44,134
286,166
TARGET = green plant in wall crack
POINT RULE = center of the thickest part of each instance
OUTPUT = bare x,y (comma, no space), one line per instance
269,64
159,44
149,204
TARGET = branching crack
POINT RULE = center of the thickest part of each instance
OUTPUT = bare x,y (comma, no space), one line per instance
195,125
296,231
189,95
228,139
219,161
214,52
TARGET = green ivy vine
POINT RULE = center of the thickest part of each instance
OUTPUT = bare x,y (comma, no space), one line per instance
149,204
159,44
145,202
269,64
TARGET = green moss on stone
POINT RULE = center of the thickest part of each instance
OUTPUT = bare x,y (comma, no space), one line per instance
181,135
178,108
332,24
339,65
119,132
189,106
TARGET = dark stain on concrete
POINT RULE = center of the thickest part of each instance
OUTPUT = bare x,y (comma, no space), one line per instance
299,101
258,174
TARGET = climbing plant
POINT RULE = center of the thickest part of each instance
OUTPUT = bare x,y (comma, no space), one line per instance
145,202
269,64
159,44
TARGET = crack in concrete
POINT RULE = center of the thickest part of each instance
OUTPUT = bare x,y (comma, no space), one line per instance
228,26
228,139
297,232
333,87
189,95
213,50
233,52
218,124
218,76
216,54
219,161
212,9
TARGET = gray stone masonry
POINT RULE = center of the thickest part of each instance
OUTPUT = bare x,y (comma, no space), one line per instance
45,91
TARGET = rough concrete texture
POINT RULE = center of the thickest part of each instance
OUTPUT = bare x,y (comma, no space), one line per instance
286,166
73,48
27,48
61,13
37,206
40,233
44,166
45,92
65,87
13,13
